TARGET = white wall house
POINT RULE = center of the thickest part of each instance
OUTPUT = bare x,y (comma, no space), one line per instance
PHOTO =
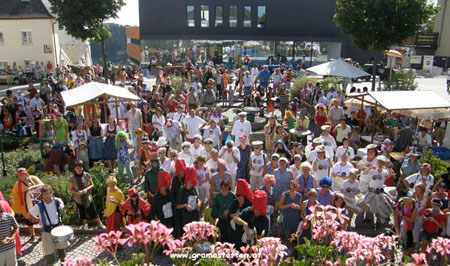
30,33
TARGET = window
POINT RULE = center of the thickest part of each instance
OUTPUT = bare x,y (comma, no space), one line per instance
247,16
219,16
2,39
27,38
3,65
233,16
204,16
261,16
190,12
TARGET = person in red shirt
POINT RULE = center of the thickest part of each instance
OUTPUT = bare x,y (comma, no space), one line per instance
434,219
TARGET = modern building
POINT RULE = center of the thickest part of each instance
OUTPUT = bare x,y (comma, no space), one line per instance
293,21
29,33
442,26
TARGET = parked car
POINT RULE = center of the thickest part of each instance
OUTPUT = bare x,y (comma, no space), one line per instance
4,77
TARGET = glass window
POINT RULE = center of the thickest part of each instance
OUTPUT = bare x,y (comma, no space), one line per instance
27,38
233,16
247,16
204,16
219,16
261,16
190,12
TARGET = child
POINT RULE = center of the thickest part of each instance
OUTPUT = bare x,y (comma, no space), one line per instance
203,182
230,95
434,219
350,189
123,156
258,161
82,154
114,201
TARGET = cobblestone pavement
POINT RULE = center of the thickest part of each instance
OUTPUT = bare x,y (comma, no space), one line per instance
80,246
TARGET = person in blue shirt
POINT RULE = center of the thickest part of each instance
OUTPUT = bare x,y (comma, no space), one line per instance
264,79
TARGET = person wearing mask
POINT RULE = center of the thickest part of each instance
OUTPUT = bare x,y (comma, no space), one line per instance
113,203
163,202
135,209
80,186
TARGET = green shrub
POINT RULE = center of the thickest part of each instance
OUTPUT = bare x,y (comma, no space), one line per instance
401,82
438,166
299,83
11,143
329,82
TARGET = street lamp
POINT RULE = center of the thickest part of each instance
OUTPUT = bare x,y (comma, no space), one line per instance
3,157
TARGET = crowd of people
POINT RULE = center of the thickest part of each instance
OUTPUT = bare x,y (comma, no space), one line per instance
186,165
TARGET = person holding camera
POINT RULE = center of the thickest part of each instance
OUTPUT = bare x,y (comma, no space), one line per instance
48,212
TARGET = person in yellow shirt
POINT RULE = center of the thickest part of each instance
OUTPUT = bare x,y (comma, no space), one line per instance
114,201
302,122
21,203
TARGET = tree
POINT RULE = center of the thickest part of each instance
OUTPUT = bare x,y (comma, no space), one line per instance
84,19
377,25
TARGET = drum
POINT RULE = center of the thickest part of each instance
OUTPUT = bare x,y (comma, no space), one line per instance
32,197
62,233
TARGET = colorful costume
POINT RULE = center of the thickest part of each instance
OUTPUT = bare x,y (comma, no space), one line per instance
112,210
134,206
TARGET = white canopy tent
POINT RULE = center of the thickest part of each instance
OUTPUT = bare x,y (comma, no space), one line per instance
83,95
93,90
416,104
338,68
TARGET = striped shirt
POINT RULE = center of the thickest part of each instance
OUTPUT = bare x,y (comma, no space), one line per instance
7,223
284,98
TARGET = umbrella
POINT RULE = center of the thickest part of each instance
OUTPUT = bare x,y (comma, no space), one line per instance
394,53
338,68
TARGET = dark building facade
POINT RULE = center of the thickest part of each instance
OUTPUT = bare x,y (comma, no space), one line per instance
266,20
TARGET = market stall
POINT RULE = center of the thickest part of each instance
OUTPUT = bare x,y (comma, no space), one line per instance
94,93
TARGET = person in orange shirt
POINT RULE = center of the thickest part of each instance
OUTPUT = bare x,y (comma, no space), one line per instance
21,203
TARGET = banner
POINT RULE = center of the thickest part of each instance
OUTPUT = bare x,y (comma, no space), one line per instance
427,62
415,60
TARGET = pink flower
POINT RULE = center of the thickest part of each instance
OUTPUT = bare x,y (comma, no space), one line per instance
418,258
83,261
441,246
199,231
108,242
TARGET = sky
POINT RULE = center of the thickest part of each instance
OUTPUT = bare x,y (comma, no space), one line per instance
129,14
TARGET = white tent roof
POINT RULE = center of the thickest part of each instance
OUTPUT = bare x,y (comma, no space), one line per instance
93,90
338,68
409,100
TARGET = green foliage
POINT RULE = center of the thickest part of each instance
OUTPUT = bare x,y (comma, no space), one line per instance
212,262
377,25
11,142
311,253
136,260
438,166
84,19
99,174
329,82
401,82
299,83
116,48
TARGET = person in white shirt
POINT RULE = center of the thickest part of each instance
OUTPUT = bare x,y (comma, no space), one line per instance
213,132
340,172
321,164
158,121
332,94
192,125
255,74
196,148
377,201
37,103
213,163
185,154
231,156
423,138
350,189
241,127
311,153
328,140
172,130
345,148
423,177
295,168
258,160
164,162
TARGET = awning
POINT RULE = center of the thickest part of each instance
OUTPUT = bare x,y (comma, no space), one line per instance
338,68
93,90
